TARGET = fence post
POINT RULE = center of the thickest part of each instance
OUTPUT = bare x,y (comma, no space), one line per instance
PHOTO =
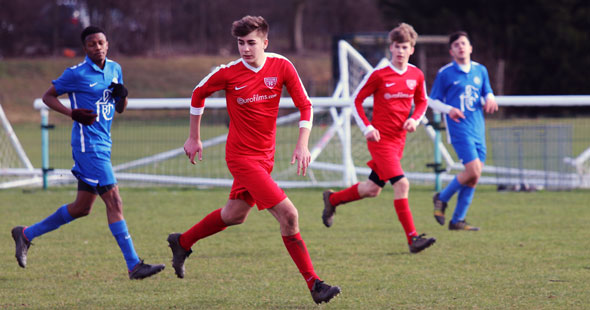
45,145
437,154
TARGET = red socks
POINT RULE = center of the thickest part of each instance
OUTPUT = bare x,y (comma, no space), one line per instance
402,208
208,226
345,195
300,256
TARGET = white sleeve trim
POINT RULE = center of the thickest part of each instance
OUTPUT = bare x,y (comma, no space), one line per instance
197,111
305,124
439,106
368,129
490,96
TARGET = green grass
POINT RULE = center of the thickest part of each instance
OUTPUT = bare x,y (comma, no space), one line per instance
532,253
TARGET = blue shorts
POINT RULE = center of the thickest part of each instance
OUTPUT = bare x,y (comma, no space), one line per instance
469,150
93,168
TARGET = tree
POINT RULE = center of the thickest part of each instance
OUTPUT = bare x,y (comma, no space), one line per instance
299,6
543,42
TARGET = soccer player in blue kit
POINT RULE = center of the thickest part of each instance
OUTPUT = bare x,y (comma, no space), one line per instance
95,88
462,91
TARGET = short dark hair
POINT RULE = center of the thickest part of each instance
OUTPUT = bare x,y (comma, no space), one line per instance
248,24
456,35
90,30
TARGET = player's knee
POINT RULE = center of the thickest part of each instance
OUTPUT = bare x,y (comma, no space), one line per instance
471,182
236,219
290,219
370,188
473,176
402,186
373,191
79,210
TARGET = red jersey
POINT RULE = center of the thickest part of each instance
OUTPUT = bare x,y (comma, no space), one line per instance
393,92
252,96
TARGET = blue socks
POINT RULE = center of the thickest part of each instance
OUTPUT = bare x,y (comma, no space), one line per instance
52,222
119,231
463,199
62,216
450,190
463,202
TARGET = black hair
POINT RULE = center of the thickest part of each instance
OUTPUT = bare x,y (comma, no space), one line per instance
456,35
90,30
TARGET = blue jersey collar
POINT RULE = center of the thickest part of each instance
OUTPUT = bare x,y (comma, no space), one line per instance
458,67
95,66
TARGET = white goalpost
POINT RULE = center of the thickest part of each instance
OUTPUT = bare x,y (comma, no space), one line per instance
148,139
15,167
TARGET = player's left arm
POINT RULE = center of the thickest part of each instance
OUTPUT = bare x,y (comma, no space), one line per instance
119,92
295,87
420,105
301,154
490,105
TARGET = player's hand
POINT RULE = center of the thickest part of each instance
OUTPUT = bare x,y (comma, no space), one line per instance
456,115
491,106
84,116
302,156
410,125
373,135
193,147
119,91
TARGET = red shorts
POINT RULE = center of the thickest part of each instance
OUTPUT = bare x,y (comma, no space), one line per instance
386,158
253,183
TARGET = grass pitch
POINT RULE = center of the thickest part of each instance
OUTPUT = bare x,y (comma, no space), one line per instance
532,253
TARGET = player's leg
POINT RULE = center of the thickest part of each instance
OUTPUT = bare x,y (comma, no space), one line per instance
114,208
68,212
358,191
288,218
467,152
401,190
469,178
234,212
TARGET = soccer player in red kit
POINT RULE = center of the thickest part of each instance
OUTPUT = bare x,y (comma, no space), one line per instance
393,87
253,86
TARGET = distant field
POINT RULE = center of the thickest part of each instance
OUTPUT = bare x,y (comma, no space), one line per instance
532,253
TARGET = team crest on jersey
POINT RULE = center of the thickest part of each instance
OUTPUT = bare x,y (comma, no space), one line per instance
411,84
270,82
477,80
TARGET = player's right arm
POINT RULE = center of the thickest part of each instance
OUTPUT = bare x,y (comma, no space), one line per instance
211,83
193,144
50,99
365,89
435,101
83,116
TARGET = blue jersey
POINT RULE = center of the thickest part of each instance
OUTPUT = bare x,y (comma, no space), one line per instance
87,86
466,92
